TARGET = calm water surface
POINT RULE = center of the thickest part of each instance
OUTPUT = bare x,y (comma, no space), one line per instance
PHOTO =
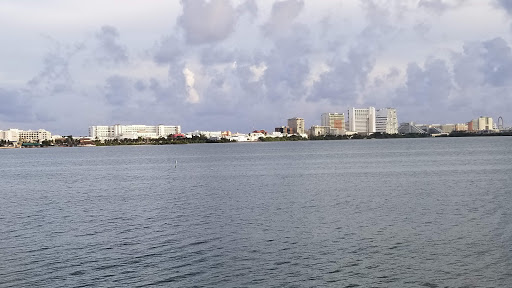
359,213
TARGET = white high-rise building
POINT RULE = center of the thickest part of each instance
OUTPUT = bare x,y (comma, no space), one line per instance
361,120
132,131
386,121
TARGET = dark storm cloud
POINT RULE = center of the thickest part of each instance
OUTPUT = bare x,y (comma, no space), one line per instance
207,21
109,50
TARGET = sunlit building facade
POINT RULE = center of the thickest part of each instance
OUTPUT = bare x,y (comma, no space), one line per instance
132,131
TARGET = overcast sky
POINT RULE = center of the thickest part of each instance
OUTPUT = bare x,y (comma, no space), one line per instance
244,64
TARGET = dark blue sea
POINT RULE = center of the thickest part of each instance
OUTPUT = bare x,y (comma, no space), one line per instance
354,213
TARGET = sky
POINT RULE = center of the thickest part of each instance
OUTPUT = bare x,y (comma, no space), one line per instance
242,65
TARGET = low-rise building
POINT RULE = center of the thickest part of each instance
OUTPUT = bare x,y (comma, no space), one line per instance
26,136
132,131
410,128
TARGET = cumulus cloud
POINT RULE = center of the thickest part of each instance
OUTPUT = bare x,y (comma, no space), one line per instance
193,96
109,50
250,7
437,6
231,64
55,76
505,4
118,90
207,21
282,16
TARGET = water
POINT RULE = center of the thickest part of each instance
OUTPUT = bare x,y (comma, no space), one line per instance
359,213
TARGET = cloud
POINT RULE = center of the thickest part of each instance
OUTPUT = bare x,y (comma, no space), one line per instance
250,7
282,16
193,96
207,21
109,50
168,50
505,4
15,106
437,6
55,76
118,90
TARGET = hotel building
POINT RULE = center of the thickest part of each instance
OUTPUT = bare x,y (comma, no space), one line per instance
386,121
132,131
361,120
29,136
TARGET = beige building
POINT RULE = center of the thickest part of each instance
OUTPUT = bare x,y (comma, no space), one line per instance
334,121
319,130
297,125
481,124
29,136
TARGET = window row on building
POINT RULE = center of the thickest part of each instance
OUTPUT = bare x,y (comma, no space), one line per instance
132,131
26,136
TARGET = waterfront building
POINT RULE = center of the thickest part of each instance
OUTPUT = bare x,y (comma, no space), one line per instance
335,121
362,120
447,128
481,124
27,136
461,127
296,124
410,128
132,131
319,130
284,130
386,121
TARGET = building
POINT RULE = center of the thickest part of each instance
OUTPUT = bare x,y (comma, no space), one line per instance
132,131
319,130
334,121
29,136
410,128
285,130
362,121
481,124
386,121
296,124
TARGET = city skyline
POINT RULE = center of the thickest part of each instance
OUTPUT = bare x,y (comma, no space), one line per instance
246,64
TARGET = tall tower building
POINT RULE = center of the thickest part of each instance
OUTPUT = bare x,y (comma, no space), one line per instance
297,125
362,120
386,121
